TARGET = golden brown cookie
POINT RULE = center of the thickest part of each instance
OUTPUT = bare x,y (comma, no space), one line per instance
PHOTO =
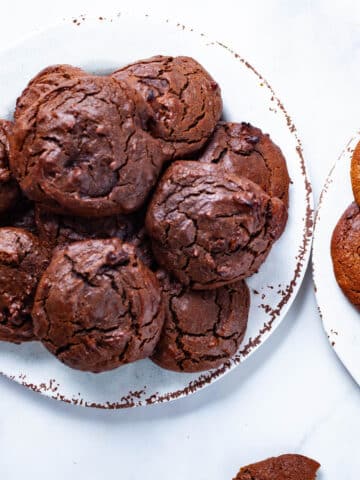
345,252
355,173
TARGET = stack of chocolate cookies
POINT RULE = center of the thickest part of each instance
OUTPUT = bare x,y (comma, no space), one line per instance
130,216
345,242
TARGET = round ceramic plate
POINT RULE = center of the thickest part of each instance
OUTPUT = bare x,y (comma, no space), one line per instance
100,46
340,318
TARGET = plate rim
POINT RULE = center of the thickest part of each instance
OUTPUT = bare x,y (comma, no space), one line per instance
135,399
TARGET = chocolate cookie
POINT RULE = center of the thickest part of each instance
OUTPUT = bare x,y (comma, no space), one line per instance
202,329
345,252
355,173
49,78
210,228
245,150
97,306
9,190
184,101
285,467
22,261
81,150
60,230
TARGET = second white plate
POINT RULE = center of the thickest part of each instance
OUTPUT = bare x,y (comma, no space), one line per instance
340,318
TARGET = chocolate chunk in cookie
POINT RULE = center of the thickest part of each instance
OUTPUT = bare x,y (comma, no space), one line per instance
22,260
355,173
210,228
345,252
9,189
49,78
81,150
183,99
246,151
98,306
203,329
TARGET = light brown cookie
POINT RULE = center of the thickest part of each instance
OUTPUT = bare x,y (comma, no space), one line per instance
355,173
345,252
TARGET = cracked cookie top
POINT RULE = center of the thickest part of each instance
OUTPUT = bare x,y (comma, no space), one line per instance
22,261
49,78
245,150
345,252
184,101
202,329
98,306
285,467
9,190
80,149
209,227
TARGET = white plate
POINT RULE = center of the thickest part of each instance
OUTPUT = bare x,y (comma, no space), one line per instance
100,46
340,318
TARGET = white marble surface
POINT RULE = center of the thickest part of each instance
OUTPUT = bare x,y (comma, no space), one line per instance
293,395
